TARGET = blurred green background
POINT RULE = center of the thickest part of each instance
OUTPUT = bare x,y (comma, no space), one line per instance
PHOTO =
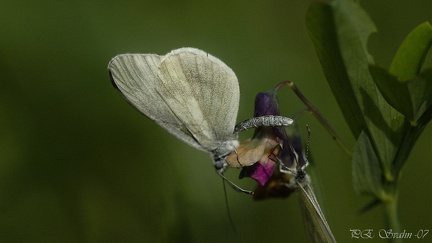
78,164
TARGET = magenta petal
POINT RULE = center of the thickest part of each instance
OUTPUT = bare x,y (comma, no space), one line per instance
263,172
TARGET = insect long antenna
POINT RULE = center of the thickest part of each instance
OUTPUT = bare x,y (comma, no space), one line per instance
308,141
228,208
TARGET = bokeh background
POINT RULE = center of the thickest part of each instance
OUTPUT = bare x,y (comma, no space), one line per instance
78,164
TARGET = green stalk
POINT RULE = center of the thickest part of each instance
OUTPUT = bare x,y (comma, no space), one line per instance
392,216
318,116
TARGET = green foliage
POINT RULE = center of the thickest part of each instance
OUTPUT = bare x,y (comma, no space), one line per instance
414,54
366,165
386,110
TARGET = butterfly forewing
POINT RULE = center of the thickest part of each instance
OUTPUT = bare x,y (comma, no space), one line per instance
208,101
134,75
190,93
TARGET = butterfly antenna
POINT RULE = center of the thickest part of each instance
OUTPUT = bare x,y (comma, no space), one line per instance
231,221
308,140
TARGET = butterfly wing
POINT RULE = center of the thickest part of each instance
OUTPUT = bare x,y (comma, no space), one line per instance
188,92
315,222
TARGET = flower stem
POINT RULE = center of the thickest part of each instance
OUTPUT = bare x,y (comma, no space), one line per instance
317,115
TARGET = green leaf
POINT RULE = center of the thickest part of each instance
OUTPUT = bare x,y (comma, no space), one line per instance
410,58
395,93
322,31
366,170
427,60
406,97
339,32
425,112
420,89
382,121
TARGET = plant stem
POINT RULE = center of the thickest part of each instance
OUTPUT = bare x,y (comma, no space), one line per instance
392,217
317,115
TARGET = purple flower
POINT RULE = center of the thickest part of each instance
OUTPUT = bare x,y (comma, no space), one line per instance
257,156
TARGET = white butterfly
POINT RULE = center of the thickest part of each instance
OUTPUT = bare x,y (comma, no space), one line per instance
190,93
